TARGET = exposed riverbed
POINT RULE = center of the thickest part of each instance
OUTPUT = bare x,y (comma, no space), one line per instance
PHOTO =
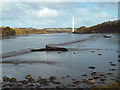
84,50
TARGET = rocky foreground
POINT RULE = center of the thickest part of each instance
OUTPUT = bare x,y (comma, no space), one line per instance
96,80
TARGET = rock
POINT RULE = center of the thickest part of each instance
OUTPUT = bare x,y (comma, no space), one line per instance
18,85
56,82
119,56
90,81
118,60
92,51
84,75
113,64
102,79
58,87
28,77
98,49
43,82
73,79
63,77
52,77
84,80
68,76
10,85
76,82
93,73
5,78
72,85
96,77
30,86
101,75
106,36
110,62
13,80
91,67
24,82
112,69
99,54
109,73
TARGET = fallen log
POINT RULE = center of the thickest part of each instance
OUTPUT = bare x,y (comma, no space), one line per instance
50,49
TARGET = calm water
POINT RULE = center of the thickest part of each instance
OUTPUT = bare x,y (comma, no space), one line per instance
68,63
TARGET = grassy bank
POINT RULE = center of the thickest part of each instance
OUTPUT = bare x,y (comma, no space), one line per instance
106,27
8,31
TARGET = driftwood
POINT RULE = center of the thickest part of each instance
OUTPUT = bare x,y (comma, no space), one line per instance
50,49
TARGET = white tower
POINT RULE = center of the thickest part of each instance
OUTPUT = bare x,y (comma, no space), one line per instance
73,24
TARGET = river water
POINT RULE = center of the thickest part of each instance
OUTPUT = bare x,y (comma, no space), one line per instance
74,62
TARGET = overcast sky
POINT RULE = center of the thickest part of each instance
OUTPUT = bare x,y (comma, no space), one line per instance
57,14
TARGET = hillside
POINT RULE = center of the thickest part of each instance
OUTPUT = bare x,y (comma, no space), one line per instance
106,27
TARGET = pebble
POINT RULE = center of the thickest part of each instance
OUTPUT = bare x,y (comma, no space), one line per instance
109,73
52,77
93,73
96,77
113,64
68,76
84,75
99,54
28,77
76,82
91,67
92,51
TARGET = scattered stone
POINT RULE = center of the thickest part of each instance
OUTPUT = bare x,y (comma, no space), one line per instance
93,73
92,51
101,75
119,56
112,69
98,49
30,86
52,77
63,77
99,54
102,79
73,79
84,75
91,67
72,85
56,82
113,64
106,36
5,78
110,62
18,85
90,81
68,76
24,82
96,77
28,77
10,84
58,87
76,82
118,60
84,80
13,80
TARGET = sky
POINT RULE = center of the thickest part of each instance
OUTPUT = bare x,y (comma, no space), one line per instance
56,14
